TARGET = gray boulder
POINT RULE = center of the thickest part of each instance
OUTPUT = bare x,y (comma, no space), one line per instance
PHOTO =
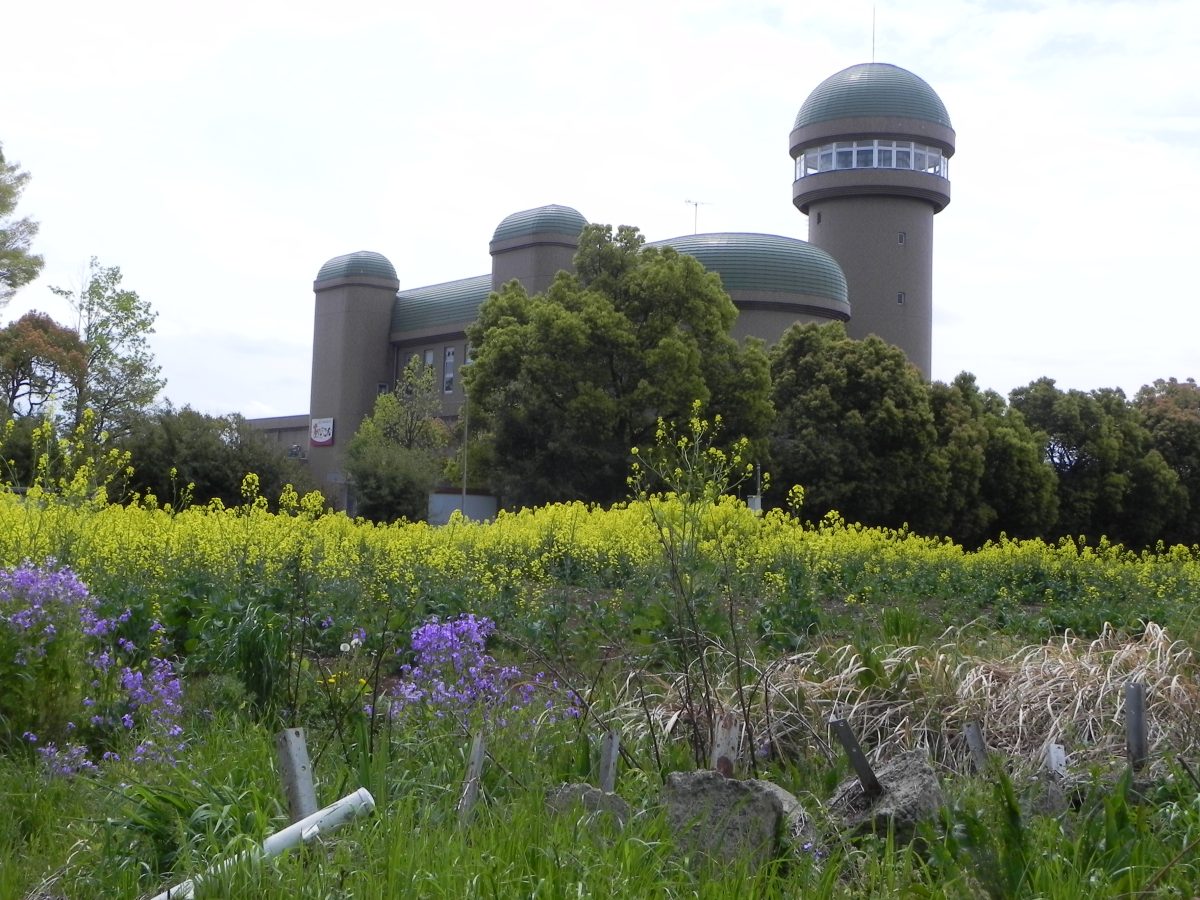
595,802
729,820
911,794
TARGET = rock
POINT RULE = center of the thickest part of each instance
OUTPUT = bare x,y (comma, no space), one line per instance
911,794
1045,795
594,801
725,819
797,823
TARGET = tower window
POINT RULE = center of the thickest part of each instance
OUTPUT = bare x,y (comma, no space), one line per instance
818,217
900,297
900,237
872,154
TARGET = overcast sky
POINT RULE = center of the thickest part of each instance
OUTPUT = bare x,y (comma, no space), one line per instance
219,153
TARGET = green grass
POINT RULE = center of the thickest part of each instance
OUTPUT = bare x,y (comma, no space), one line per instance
132,832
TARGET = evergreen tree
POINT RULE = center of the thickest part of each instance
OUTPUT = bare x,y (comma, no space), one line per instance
17,265
564,384
855,428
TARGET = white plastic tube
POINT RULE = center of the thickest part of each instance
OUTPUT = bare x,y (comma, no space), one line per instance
322,821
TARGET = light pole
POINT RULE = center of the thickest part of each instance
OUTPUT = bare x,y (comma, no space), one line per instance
466,435
466,413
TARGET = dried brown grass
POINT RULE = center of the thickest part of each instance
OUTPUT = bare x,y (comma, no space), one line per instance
1069,691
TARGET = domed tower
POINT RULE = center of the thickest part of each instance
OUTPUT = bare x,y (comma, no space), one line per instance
534,245
871,146
355,294
773,281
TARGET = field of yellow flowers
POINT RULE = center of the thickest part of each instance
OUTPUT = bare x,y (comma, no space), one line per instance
194,633
515,568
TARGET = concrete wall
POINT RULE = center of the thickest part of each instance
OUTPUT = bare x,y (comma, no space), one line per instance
289,433
533,260
442,504
352,357
768,314
885,247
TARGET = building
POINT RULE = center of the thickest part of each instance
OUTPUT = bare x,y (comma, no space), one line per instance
871,146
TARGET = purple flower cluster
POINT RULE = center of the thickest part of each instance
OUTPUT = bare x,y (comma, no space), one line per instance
47,611
452,673
33,603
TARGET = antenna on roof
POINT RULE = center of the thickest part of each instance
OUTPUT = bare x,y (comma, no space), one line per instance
872,32
696,204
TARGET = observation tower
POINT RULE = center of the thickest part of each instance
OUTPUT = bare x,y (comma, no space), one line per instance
872,146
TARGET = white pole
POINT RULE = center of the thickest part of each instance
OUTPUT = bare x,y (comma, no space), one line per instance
325,820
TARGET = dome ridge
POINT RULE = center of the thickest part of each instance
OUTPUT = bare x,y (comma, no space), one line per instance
873,90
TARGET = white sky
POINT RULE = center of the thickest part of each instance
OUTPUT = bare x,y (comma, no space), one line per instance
219,153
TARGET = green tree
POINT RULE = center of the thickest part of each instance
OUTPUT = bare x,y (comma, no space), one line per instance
182,453
395,458
17,265
563,384
118,380
854,427
1170,410
38,359
997,480
1111,480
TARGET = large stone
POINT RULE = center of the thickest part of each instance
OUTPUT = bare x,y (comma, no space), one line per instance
911,794
797,823
724,819
595,802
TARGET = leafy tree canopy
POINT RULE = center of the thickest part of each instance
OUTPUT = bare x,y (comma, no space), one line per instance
39,359
395,458
997,480
182,454
855,428
1111,481
17,265
565,383
1170,411
118,379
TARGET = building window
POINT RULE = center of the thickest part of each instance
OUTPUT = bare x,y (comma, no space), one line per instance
901,237
429,358
818,218
872,154
380,388
448,371
900,297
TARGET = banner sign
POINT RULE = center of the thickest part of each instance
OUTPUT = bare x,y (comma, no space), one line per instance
320,433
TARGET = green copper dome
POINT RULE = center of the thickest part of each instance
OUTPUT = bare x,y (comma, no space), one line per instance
766,262
871,90
363,263
552,219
